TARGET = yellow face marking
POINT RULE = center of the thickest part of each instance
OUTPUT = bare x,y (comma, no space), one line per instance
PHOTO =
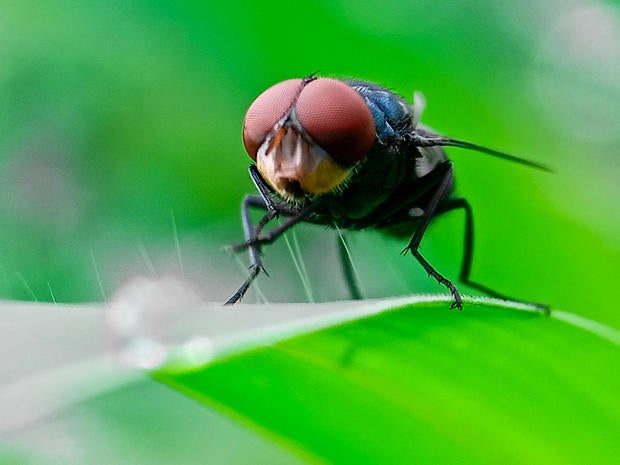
296,167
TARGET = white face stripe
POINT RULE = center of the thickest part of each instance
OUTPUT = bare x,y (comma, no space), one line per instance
431,157
419,104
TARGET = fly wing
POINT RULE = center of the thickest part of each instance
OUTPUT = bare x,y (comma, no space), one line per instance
423,137
397,121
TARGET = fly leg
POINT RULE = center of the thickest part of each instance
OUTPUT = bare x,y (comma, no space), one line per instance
443,188
347,267
273,234
265,202
250,233
254,239
468,251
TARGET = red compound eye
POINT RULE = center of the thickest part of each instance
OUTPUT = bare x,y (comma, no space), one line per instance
337,119
265,112
334,115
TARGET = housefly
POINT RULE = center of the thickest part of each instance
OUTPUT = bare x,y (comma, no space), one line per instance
349,154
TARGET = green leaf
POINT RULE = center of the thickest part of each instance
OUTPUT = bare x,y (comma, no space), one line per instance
422,384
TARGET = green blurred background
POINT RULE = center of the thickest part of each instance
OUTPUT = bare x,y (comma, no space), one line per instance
121,155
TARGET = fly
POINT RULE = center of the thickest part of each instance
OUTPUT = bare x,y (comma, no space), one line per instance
350,154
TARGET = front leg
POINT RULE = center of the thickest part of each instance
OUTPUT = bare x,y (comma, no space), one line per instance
254,239
259,239
250,233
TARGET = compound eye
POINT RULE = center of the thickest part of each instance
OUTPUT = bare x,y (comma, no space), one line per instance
337,118
266,111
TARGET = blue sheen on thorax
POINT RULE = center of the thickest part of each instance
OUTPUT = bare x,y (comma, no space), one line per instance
391,113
